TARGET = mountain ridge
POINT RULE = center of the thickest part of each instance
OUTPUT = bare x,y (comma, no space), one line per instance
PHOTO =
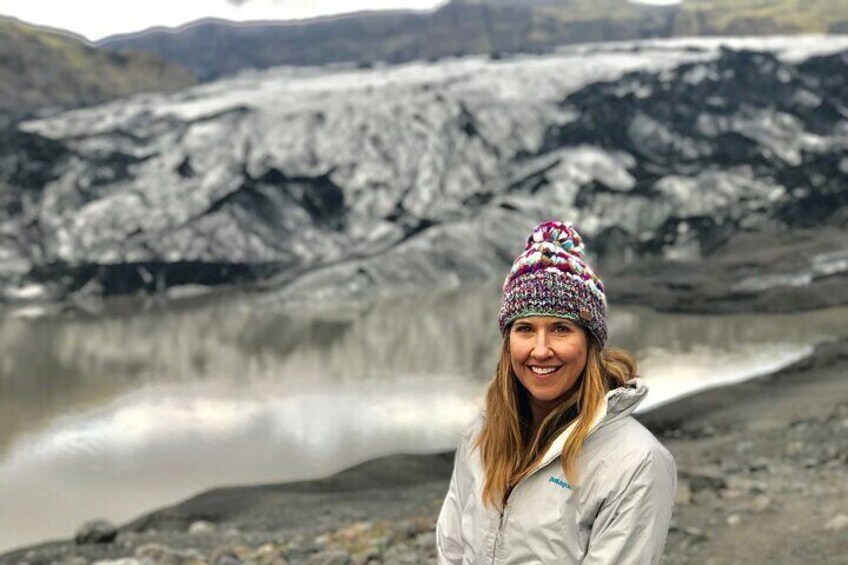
42,68
214,48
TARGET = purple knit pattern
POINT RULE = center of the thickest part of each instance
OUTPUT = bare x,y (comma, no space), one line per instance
551,278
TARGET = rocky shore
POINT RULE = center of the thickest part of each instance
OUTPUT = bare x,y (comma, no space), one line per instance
768,272
763,468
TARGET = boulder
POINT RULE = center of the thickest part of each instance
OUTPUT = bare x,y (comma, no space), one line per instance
96,531
705,478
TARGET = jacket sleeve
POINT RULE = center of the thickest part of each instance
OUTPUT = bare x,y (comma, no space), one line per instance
631,527
449,547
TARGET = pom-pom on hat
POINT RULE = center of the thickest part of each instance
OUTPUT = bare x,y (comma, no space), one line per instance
551,278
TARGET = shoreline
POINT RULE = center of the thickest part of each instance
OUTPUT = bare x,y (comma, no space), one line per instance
739,448
800,270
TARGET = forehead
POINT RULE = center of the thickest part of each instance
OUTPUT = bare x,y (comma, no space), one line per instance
542,321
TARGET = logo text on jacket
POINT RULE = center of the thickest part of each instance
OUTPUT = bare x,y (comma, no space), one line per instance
559,482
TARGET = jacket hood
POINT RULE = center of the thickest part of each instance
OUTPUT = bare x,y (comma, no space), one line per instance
622,401
617,404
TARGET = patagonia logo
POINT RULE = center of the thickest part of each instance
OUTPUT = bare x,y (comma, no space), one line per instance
560,483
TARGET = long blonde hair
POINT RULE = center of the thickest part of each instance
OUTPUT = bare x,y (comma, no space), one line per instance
510,447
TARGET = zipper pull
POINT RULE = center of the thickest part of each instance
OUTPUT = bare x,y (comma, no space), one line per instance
503,517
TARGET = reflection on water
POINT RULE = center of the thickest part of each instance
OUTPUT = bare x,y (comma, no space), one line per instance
115,416
164,442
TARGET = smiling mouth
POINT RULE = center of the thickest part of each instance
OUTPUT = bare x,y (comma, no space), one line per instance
544,370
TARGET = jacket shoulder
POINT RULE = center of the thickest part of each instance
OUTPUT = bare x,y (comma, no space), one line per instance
627,444
470,432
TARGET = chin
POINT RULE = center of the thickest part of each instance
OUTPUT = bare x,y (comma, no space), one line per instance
545,395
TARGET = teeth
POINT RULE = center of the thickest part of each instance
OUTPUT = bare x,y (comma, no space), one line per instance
543,370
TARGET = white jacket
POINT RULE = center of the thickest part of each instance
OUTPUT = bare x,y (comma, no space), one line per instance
618,514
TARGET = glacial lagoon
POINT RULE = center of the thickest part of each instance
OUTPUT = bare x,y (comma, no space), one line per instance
113,416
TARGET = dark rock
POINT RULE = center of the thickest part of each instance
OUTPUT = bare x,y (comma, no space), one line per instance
96,531
230,555
811,462
705,479
760,464
730,466
410,529
706,498
758,487
298,554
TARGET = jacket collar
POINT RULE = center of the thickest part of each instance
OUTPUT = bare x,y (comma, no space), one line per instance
617,404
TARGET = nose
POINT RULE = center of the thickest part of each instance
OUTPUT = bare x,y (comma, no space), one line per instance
541,348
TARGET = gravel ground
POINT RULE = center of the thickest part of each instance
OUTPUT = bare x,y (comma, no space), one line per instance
763,467
763,479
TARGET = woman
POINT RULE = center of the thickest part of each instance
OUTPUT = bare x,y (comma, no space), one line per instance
556,470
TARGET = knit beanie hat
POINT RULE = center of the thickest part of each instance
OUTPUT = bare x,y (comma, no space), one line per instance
551,278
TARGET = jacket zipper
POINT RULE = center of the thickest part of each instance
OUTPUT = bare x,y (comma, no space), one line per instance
499,531
502,518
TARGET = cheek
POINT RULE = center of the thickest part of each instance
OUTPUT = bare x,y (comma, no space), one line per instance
579,366
516,365
576,354
517,352
581,363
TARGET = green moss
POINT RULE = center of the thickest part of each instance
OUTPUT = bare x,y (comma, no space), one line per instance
701,16
44,68
614,10
720,16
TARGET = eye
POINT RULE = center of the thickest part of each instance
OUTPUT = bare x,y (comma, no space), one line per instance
562,329
522,329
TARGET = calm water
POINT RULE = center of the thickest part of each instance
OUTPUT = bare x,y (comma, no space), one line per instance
116,416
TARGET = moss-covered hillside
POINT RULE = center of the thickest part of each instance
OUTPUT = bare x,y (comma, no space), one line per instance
759,17
43,69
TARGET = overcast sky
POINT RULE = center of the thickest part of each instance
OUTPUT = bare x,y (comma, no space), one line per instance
96,19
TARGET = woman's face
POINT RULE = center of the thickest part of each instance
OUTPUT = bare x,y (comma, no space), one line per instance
548,356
